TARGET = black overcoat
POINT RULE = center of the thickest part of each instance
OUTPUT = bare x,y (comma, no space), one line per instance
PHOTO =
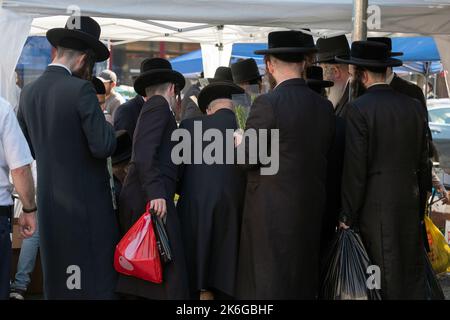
385,183
70,140
282,219
152,175
210,209
126,115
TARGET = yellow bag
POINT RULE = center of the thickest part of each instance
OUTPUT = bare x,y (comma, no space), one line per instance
439,249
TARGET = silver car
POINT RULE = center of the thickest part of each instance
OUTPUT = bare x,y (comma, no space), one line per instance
439,122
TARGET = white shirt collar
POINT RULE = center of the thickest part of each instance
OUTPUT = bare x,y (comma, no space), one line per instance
62,66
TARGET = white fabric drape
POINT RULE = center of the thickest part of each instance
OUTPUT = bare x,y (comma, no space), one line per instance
14,32
213,58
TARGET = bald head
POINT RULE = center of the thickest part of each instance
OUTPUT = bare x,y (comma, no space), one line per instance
218,104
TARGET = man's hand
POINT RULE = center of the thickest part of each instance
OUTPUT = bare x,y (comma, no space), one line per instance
27,224
343,226
159,207
444,194
238,134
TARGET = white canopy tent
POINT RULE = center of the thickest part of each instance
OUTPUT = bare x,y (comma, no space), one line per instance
213,24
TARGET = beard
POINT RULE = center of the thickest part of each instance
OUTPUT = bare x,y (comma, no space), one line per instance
271,80
336,92
357,87
86,70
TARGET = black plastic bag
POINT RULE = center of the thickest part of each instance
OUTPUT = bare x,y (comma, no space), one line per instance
162,239
345,277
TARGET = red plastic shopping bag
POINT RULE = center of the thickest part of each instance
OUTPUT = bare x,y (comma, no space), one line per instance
137,253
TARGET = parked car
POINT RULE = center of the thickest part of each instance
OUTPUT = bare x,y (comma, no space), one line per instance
439,122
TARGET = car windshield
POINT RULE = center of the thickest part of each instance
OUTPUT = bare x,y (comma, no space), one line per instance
440,116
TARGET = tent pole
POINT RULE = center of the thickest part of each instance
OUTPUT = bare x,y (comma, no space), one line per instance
360,19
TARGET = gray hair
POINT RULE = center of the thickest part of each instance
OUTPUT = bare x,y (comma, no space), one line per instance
157,89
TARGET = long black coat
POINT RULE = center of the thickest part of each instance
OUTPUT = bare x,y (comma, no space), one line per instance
189,108
413,91
385,183
281,227
70,140
334,174
152,175
126,115
210,209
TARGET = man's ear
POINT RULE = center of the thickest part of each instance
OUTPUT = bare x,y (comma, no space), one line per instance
337,72
365,76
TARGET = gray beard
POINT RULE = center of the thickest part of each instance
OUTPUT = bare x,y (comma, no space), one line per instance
336,92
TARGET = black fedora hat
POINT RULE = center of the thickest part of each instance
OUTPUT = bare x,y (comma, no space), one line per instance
155,71
222,74
370,54
124,147
245,70
87,36
387,41
217,90
314,77
98,85
330,48
289,42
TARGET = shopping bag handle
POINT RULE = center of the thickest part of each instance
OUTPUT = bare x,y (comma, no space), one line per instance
149,210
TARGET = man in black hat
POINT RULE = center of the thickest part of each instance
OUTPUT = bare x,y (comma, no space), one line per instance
70,140
280,238
334,71
314,80
246,75
101,97
397,83
211,200
152,177
386,147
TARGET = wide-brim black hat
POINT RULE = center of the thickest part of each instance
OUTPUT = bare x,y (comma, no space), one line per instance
245,70
123,148
222,74
329,48
157,71
79,36
370,54
289,42
314,77
217,90
387,41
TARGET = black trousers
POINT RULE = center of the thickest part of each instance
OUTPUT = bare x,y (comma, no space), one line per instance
5,251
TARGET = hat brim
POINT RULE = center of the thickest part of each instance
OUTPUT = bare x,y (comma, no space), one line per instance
217,90
320,83
157,76
287,50
390,62
54,36
396,54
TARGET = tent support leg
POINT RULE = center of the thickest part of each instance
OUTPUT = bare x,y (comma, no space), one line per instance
360,19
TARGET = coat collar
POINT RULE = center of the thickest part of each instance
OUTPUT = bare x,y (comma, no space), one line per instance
291,82
379,87
57,69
